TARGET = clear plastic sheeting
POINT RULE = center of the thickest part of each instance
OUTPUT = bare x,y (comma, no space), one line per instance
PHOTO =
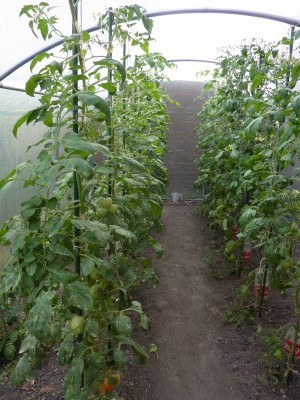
205,39
13,150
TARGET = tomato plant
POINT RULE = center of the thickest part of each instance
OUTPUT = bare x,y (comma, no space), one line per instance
249,137
77,245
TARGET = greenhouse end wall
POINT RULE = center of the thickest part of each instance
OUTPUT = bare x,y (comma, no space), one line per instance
180,160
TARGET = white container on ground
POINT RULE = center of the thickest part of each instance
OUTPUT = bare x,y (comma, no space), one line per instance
176,197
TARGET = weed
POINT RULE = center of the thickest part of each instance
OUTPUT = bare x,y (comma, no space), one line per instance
273,357
240,312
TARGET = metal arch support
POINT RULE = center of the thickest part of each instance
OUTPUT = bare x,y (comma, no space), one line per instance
272,17
44,49
196,60
17,89
246,13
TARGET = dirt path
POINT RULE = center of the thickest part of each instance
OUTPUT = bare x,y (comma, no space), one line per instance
186,325
186,328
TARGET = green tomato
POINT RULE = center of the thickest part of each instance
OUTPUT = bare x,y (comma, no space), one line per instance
95,292
90,339
101,212
287,264
294,229
113,208
105,202
77,324
94,275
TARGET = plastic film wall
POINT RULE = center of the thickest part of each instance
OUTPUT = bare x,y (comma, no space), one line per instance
13,150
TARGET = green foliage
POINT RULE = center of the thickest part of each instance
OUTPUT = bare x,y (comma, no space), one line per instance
123,325
113,155
249,137
240,312
273,356
248,134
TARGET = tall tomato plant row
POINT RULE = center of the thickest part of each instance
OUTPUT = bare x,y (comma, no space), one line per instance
110,147
249,134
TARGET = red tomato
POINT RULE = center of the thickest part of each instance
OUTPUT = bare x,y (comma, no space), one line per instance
111,381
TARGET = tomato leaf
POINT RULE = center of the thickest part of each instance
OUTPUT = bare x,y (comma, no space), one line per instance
78,294
58,248
148,24
75,142
295,75
38,58
119,357
140,352
123,325
43,27
28,345
110,63
32,83
66,349
132,164
91,99
22,370
73,379
110,87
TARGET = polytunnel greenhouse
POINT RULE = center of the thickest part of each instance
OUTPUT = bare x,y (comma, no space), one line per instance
149,200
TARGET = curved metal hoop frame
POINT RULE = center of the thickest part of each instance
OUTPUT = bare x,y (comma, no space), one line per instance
272,17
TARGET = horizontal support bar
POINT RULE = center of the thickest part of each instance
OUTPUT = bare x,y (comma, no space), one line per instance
14,88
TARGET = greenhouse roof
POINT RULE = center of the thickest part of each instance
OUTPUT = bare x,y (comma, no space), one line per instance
193,34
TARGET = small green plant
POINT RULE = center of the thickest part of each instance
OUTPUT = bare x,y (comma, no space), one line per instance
240,312
273,357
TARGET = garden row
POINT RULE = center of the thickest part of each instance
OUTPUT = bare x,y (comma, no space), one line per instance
77,245
249,168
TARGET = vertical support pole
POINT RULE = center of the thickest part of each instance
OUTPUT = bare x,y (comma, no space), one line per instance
135,90
124,103
239,263
109,79
291,360
262,290
289,70
261,294
297,326
248,199
124,99
290,54
295,341
122,296
110,188
75,130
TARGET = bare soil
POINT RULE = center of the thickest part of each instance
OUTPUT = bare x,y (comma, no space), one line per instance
200,356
